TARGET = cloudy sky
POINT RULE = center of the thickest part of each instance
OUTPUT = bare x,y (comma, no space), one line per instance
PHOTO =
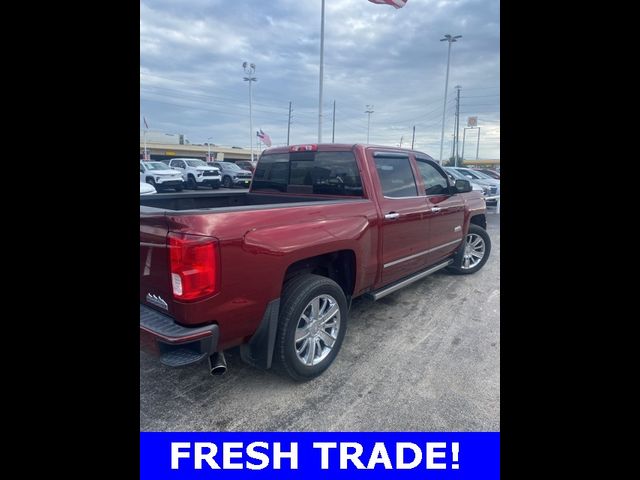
191,75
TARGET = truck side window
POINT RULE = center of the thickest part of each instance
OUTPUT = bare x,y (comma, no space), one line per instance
434,182
396,177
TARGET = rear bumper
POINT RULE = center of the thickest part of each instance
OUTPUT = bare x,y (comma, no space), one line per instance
160,335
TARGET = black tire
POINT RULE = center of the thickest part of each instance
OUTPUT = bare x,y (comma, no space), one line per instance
179,188
457,266
152,182
296,296
226,182
191,182
215,186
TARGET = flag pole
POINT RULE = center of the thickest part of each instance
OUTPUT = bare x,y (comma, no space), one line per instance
321,74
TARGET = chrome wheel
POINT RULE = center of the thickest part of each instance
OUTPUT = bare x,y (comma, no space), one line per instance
474,250
317,330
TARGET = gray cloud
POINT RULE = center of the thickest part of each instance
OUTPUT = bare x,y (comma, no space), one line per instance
191,75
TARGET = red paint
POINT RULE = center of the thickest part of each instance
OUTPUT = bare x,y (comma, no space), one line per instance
255,247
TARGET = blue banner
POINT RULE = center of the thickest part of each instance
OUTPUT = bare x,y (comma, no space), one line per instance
431,456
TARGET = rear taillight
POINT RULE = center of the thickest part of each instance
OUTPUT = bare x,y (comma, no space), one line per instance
195,266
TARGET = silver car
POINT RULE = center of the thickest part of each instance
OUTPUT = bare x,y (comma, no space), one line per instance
481,178
487,190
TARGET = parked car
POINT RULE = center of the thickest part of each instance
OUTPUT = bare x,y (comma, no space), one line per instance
161,176
453,176
146,189
247,165
233,175
481,178
489,190
274,270
196,173
488,171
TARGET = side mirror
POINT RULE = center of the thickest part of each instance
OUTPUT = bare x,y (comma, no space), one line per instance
463,186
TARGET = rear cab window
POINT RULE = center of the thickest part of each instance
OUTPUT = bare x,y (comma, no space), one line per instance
309,172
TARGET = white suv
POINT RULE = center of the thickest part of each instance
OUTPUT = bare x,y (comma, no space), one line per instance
158,175
196,172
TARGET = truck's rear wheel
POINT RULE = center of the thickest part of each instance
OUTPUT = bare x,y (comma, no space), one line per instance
191,182
473,253
311,326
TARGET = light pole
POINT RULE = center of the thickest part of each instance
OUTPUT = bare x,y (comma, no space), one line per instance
321,74
368,111
450,39
249,69
209,149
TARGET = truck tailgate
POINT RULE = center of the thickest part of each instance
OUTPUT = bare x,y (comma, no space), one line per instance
155,279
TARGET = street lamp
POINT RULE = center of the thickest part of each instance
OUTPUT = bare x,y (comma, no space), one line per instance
209,149
368,111
249,69
450,39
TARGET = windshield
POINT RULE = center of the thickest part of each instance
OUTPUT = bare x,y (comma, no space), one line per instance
456,173
155,166
196,163
231,166
469,173
483,175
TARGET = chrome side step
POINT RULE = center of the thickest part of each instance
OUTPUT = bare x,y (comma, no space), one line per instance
383,292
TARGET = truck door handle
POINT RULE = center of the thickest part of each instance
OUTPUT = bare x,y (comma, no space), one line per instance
391,216
435,209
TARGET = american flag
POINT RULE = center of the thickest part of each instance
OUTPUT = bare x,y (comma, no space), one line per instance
264,137
393,3
146,125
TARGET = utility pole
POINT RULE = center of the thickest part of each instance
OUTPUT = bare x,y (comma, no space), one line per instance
401,138
450,39
368,111
333,132
457,134
414,137
478,145
289,124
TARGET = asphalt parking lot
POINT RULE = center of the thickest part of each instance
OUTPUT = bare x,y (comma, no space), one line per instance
426,358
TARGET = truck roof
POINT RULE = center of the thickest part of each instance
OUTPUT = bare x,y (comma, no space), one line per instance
336,147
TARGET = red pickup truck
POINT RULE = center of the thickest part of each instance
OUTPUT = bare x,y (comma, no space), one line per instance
274,270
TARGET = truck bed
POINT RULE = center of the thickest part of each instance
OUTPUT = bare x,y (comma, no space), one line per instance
180,202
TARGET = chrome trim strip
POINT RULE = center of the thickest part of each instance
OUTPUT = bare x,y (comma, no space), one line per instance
386,291
399,198
416,255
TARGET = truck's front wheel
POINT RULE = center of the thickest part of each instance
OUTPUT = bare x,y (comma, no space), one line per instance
311,326
473,253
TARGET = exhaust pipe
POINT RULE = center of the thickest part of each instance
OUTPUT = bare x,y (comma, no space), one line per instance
217,364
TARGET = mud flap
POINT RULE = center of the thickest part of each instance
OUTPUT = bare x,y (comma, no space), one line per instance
258,352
